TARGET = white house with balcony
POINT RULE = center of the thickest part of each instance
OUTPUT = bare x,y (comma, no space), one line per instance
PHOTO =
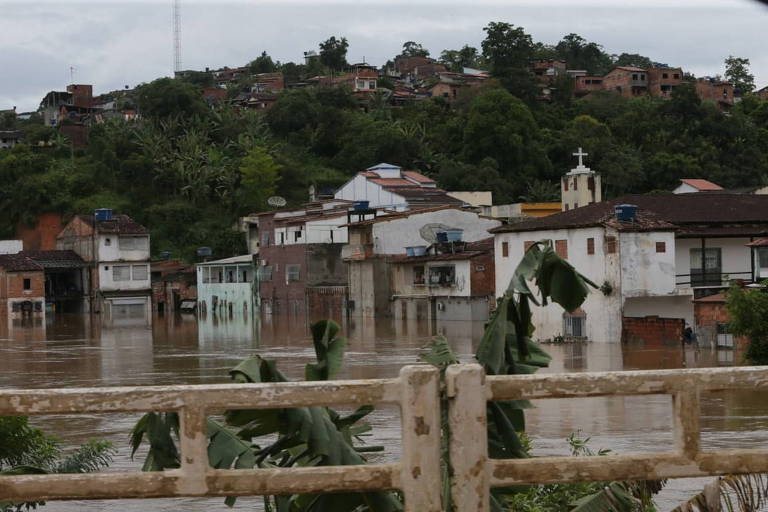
676,248
117,251
228,287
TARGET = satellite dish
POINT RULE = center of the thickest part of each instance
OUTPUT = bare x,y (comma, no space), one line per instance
429,231
277,201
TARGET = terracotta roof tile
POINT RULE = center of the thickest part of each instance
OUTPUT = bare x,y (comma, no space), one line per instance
700,184
18,263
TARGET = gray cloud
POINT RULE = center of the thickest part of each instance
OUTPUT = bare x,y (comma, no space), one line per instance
115,43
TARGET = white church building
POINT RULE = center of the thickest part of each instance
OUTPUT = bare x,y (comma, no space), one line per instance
651,255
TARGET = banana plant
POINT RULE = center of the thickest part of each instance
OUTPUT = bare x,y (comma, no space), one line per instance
299,436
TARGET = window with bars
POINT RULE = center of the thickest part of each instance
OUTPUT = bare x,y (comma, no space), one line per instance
561,248
121,273
292,272
265,273
418,274
140,272
706,267
133,243
610,245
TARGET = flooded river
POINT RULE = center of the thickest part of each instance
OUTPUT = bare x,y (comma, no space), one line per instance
73,352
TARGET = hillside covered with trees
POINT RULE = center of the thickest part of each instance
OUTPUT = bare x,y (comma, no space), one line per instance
188,171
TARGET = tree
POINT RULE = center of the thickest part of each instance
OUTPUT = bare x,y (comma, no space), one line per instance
262,64
413,49
258,176
580,54
502,127
737,72
506,48
27,450
168,97
201,79
748,309
333,53
457,60
634,60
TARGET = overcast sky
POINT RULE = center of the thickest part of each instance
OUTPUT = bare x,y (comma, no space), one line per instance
112,43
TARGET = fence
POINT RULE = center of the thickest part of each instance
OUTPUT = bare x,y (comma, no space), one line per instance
417,474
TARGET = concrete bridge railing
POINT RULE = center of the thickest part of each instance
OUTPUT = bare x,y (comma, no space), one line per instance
417,475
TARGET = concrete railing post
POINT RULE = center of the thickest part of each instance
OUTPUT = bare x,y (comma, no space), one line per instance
468,444
420,462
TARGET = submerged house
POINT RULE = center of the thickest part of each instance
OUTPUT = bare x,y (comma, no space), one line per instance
66,279
22,287
376,247
651,256
451,281
301,271
228,287
116,250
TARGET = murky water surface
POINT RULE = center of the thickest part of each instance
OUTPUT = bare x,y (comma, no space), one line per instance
71,351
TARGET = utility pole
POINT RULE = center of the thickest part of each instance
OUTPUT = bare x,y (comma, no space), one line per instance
176,36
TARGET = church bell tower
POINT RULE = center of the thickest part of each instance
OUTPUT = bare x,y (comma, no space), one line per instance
580,186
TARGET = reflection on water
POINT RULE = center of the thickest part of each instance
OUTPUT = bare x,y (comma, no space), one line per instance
71,351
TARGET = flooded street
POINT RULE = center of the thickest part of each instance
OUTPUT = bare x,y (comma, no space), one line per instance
72,352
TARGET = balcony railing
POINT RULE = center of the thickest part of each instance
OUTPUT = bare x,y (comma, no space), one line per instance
713,278
418,473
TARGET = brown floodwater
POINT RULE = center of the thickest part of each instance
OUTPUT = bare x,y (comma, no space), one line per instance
74,351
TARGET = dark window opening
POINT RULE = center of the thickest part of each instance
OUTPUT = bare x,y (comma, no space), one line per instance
504,249
418,274
442,276
590,246
661,247
27,284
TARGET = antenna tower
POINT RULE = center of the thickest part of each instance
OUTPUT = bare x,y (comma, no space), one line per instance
176,36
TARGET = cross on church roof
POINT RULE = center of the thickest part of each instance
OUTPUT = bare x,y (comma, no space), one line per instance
580,154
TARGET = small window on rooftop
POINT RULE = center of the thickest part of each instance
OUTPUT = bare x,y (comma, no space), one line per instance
107,242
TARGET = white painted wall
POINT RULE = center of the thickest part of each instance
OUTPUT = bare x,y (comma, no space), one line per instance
108,284
319,231
603,312
484,198
684,188
736,256
360,189
392,237
241,293
643,270
109,249
672,306
11,246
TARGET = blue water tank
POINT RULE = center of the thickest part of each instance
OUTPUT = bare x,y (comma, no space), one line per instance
165,255
204,252
361,205
102,214
442,236
625,212
454,235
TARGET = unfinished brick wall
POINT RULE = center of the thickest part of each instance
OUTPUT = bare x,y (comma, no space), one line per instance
709,312
42,236
652,330
326,302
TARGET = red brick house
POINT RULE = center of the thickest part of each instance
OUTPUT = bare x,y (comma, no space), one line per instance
627,81
22,287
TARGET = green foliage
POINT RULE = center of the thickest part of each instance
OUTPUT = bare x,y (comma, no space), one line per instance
748,311
262,64
26,450
580,54
737,72
413,49
333,53
271,438
457,60
167,97
258,176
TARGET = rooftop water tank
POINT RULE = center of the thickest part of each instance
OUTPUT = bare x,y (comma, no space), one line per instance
454,235
361,205
102,214
625,212
204,252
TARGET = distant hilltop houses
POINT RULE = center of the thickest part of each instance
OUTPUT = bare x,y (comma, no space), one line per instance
403,80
